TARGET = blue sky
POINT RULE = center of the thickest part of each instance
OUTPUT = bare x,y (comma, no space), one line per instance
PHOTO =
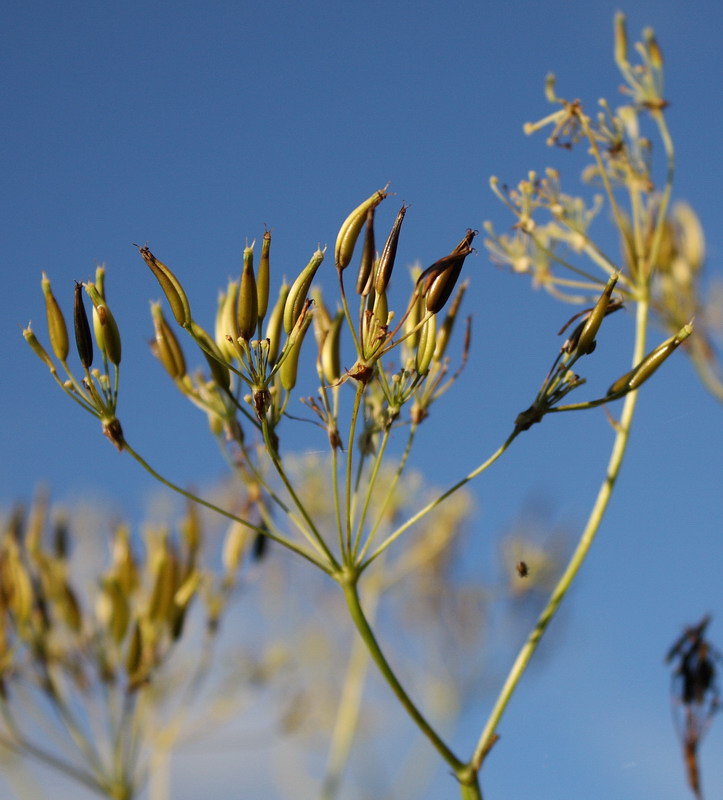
193,125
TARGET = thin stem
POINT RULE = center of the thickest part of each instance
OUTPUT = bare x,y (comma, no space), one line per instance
331,561
431,506
370,489
349,463
296,548
578,557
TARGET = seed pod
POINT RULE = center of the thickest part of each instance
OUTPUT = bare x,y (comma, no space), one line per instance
83,340
385,265
167,350
234,547
330,351
656,54
366,266
105,327
135,653
219,370
591,326
248,302
350,228
171,287
273,327
413,319
300,289
57,329
640,373
445,331
263,277
290,364
426,346
621,39
227,321
38,349
435,284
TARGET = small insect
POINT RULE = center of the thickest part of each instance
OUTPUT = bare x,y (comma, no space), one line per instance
522,569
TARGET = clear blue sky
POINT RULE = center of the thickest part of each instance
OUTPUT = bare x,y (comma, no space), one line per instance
192,125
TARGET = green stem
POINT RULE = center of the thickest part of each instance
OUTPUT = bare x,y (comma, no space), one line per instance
578,557
431,506
351,594
282,540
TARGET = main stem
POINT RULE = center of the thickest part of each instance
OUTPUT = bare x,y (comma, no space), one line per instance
583,547
467,777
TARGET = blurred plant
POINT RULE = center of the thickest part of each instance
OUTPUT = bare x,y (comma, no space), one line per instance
253,361
694,694
106,675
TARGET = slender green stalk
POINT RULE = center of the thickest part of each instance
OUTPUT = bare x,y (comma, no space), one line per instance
431,506
381,449
298,549
351,594
349,463
578,557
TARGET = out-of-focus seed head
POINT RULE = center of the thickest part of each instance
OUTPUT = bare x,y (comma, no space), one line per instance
83,339
351,227
248,303
57,329
621,40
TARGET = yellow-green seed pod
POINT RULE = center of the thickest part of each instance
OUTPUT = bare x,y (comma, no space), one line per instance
330,356
426,346
365,277
83,340
248,302
164,586
385,264
274,325
640,373
38,349
186,591
381,308
167,350
263,277
351,227
135,652
586,340
445,330
234,547
227,321
322,317
114,609
299,290
57,329
621,40
190,528
290,364
410,323
105,327
18,586
656,54
171,287
214,357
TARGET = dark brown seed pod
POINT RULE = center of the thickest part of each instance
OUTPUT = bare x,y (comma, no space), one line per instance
83,339
385,265
436,283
